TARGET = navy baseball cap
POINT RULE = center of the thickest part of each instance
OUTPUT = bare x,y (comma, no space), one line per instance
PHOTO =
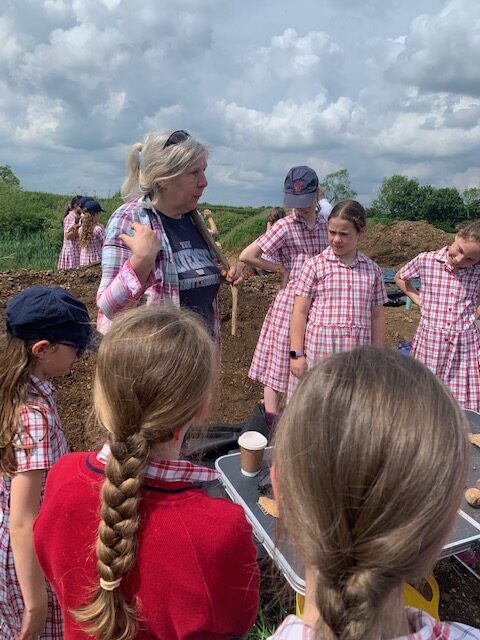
84,199
300,187
92,206
49,313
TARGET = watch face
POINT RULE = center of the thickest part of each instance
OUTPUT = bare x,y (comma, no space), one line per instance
293,354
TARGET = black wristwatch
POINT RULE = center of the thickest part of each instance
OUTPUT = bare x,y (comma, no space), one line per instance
297,354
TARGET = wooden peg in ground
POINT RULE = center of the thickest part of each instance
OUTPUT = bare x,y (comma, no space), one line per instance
200,224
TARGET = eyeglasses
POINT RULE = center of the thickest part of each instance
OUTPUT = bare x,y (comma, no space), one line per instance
176,138
80,350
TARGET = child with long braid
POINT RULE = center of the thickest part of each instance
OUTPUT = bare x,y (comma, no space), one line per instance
171,561
370,461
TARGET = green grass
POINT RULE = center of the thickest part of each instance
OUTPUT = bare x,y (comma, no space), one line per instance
36,251
244,233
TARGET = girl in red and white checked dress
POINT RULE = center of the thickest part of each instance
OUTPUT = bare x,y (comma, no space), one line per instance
69,257
447,339
46,330
293,240
339,296
92,234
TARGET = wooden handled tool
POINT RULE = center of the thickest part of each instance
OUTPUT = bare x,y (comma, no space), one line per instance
200,224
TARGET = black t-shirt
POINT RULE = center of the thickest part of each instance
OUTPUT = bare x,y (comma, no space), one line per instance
198,274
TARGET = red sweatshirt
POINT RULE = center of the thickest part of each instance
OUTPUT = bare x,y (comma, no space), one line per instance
196,575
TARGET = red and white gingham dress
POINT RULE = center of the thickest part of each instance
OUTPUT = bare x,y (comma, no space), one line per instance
70,254
293,243
45,441
447,340
340,317
93,252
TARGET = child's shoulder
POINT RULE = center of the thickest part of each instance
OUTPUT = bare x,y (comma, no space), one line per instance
367,260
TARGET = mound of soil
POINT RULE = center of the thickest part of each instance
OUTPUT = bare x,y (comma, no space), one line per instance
395,244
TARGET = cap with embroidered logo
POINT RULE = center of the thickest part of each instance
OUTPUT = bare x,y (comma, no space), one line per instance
300,187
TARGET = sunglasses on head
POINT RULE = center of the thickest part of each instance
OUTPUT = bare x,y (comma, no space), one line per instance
176,138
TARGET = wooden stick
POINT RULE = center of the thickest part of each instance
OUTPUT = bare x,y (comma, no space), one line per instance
234,291
200,224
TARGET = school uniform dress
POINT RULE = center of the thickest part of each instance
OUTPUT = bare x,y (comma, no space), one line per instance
340,316
185,271
447,339
44,443
422,627
93,252
70,254
195,575
293,243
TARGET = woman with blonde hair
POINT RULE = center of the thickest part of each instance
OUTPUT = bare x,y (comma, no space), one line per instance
170,561
370,462
154,252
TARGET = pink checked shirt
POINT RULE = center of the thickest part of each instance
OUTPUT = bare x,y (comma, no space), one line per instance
449,297
343,295
93,252
41,443
292,242
120,289
422,627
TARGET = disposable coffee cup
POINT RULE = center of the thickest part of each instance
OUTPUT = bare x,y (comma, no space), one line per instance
252,446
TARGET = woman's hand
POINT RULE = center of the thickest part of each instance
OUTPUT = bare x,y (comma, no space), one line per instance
298,366
33,622
234,275
144,245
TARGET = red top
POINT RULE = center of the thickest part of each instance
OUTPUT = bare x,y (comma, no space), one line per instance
196,576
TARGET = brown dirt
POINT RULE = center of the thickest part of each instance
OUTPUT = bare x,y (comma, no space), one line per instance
237,394
394,244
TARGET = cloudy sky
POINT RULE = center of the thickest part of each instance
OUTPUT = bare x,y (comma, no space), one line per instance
378,87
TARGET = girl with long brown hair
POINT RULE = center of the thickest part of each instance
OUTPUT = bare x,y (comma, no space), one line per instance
370,462
161,558
47,328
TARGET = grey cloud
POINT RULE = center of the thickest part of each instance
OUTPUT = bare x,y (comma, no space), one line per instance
441,51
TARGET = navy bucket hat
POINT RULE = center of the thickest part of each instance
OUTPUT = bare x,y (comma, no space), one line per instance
50,313
300,187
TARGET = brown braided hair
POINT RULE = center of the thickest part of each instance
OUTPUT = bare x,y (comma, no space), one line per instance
371,456
155,371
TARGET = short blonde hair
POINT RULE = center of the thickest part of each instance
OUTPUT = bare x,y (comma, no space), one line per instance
371,456
155,371
149,163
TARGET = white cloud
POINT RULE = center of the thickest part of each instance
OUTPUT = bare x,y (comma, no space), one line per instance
378,88
41,122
